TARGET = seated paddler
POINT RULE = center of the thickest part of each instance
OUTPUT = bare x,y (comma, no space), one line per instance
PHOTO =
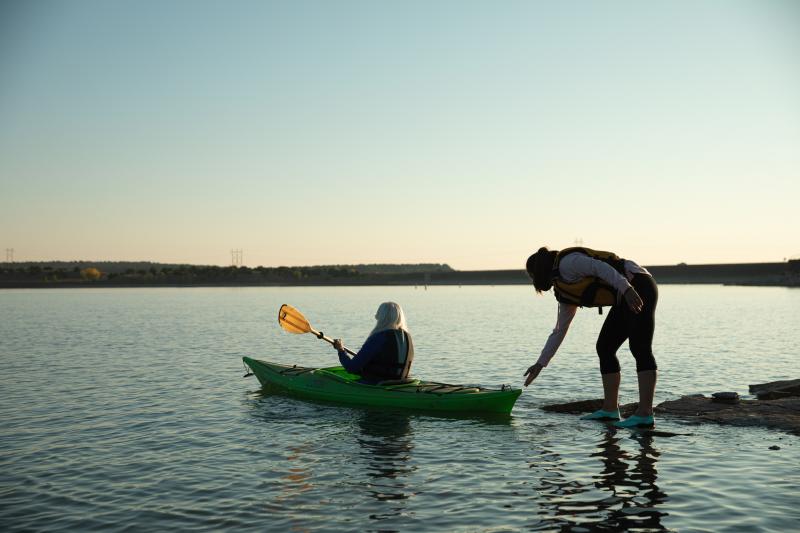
388,351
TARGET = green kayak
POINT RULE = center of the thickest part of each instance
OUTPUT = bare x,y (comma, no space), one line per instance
337,385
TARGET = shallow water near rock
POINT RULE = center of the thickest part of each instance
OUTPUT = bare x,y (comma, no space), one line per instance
125,409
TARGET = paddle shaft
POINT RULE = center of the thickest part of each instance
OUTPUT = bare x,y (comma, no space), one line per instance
322,336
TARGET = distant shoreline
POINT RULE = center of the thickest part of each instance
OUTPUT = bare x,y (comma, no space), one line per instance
745,274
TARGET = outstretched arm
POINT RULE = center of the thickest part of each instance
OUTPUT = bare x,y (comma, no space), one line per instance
566,312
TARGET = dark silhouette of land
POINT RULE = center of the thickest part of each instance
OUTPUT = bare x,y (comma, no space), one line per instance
148,274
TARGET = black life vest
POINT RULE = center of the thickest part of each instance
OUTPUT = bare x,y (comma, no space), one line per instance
394,361
589,291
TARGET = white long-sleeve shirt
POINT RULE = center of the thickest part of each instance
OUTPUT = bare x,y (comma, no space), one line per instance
571,269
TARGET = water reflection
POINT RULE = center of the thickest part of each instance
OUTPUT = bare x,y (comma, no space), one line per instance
622,495
298,479
631,480
385,439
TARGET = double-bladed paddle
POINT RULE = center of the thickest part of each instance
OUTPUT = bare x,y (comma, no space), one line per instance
293,321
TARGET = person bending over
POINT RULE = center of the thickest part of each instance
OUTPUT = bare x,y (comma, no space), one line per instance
581,277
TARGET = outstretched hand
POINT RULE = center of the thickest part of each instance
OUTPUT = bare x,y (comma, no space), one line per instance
633,300
532,372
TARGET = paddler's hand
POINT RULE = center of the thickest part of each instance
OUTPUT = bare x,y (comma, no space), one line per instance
337,344
633,300
532,372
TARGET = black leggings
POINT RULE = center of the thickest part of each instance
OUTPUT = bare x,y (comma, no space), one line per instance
622,323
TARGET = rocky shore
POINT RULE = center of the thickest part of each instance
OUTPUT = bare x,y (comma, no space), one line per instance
777,406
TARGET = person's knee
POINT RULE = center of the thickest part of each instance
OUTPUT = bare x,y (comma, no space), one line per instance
609,365
603,349
644,359
608,359
647,364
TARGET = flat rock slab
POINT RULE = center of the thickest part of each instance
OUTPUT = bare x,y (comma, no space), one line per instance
587,406
783,414
776,389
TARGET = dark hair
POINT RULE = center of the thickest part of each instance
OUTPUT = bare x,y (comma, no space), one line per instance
540,268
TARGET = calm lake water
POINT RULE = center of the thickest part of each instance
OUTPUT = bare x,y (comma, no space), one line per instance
125,409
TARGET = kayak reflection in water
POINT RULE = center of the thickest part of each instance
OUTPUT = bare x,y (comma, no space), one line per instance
388,351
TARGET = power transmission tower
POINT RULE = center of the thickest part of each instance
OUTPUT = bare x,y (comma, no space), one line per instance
237,257
578,241
9,255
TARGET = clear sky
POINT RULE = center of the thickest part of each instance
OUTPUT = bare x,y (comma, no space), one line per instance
463,132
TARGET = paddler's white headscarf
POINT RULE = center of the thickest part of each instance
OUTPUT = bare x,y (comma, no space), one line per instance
389,316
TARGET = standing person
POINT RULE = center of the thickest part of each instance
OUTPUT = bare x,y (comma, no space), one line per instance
581,277
387,353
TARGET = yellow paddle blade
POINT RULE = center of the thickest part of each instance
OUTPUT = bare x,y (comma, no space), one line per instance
293,320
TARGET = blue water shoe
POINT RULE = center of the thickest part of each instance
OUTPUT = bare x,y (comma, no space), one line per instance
602,415
636,421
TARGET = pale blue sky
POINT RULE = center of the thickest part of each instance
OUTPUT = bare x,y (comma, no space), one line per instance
348,132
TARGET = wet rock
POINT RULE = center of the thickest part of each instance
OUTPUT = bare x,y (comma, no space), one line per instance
587,406
783,414
774,447
725,397
776,389
583,406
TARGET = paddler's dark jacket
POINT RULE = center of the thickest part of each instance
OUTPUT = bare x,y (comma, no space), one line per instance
589,291
386,355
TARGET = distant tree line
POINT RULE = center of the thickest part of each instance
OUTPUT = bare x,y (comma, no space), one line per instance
420,268
79,274
121,273
104,266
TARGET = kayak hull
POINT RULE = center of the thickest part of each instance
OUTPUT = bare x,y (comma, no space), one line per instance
334,384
